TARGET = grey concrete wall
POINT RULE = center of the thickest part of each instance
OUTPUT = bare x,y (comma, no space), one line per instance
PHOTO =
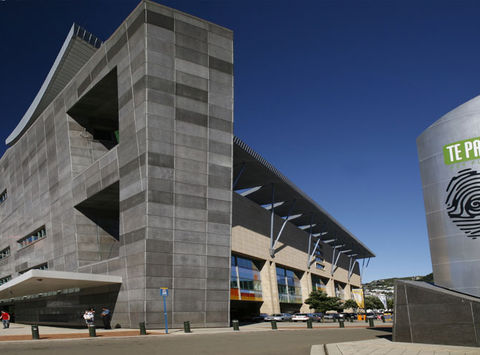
173,165
430,314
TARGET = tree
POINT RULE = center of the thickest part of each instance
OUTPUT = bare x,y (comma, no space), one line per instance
350,304
390,303
321,302
373,302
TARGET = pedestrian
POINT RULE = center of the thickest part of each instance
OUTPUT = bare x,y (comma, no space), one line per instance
89,317
5,319
106,317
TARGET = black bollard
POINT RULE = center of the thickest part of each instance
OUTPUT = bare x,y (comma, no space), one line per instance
351,319
334,319
309,323
370,322
35,334
186,327
274,324
383,319
92,331
235,325
341,323
143,329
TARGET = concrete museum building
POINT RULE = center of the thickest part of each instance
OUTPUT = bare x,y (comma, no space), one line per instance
124,177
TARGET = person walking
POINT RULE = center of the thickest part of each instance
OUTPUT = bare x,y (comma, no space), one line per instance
89,317
5,319
106,317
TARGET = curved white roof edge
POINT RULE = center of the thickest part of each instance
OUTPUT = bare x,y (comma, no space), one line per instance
28,117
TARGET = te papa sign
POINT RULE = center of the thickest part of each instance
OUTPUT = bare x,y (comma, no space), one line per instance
461,151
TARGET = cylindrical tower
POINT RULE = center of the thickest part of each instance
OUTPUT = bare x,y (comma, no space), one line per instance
449,155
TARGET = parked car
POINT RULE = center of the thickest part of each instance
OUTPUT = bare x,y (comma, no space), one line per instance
300,317
260,318
279,317
317,317
333,316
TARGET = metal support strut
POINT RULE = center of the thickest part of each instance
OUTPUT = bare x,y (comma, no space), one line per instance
288,218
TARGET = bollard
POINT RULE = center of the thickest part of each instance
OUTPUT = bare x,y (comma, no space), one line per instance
274,324
235,325
143,330
341,323
383,319
351,319
91,330
186,327
366,319
370,322
334,319
35,334
309,323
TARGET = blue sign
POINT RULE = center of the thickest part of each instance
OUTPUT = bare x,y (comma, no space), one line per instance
164,294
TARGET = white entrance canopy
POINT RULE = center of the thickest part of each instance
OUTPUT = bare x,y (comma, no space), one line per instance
40,281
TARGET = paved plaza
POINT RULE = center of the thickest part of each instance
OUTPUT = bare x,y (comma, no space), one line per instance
259,338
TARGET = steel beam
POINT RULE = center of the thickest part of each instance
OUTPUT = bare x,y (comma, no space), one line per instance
273,243
250,191
238,176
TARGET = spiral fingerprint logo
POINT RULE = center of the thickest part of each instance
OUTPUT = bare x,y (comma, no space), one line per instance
463,201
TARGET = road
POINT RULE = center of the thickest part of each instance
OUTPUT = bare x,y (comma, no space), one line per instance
285,342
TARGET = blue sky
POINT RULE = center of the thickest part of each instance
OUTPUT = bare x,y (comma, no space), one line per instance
333,93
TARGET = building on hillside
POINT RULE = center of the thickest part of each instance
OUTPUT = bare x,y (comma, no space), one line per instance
124,177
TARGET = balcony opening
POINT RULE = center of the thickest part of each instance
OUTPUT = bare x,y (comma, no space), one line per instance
103,209
97,111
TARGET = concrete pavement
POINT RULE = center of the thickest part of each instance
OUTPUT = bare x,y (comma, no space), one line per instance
384,346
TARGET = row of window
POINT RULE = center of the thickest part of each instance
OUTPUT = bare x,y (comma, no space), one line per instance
32,238
5,253
5,279
245,284
43,266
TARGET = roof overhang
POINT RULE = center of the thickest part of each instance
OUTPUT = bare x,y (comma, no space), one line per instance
251,171
76,50
41,281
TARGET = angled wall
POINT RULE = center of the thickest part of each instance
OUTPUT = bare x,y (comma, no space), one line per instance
429,314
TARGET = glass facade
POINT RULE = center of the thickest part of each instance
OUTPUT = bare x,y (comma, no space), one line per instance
339,291
289,289
245,284
318,284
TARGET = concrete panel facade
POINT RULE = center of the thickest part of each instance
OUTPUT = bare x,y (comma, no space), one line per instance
433,315
174,92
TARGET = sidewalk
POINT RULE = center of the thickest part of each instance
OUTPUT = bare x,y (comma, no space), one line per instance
384,346
22,332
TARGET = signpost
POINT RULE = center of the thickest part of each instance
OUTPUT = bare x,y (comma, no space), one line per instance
164,294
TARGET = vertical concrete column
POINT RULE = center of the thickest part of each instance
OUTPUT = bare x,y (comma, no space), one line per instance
268,275
347,292
330,287
306,284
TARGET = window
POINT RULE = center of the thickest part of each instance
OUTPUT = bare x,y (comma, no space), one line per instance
245,284
43,266
32,238
319,266
319,284
5,253
289,289
3,196
5,279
